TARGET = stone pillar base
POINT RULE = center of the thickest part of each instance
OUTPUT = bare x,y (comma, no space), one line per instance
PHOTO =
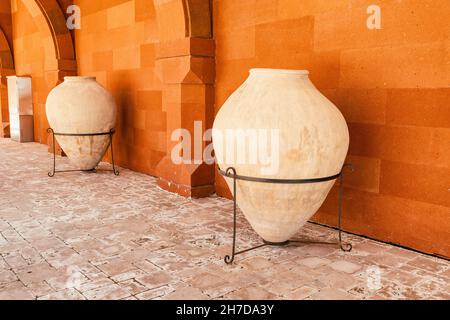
185,190
196,181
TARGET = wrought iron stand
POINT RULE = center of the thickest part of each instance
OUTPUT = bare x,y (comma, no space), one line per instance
109,133
231,173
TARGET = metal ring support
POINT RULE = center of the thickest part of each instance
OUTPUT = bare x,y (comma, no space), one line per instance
53,133
231,173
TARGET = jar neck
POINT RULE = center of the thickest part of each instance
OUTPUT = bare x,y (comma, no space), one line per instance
79,79
279,72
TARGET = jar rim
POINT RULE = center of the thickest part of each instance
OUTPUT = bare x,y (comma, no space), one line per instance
79,78
279,71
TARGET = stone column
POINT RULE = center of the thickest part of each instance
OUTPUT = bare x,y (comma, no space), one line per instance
187,70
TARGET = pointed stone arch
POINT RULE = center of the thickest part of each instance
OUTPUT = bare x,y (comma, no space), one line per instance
59,56
52,21
178,19
6,56
199,13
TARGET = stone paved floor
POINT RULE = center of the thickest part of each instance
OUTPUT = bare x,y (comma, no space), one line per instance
97,236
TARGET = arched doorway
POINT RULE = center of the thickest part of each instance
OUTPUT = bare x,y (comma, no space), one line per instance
44,50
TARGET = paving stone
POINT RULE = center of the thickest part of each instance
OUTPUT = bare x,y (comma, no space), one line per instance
116,266
154,280
133,287
251,293
206,280
37,273
332,294
67,294
256,263
94,284
401,277
392,291
446,273
7,276
15,260
15,291
429,264
301,293
39,289
146,266
429,287
186,293
314,262
345,266
128,275
110,292
155,293
339,280
441,296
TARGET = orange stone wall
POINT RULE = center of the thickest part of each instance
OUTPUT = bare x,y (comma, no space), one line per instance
116,44
392,85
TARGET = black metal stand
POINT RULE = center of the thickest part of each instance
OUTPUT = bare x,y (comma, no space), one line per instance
231,173
109,133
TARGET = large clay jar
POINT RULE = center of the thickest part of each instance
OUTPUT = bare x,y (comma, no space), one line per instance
80,105
313,143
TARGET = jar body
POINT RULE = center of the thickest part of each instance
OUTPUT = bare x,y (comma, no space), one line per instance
297,133
82,106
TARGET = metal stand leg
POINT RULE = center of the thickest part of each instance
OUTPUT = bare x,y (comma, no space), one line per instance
344,246
51,174
116,172
228,259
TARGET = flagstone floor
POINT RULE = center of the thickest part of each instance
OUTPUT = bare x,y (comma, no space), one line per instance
97,236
